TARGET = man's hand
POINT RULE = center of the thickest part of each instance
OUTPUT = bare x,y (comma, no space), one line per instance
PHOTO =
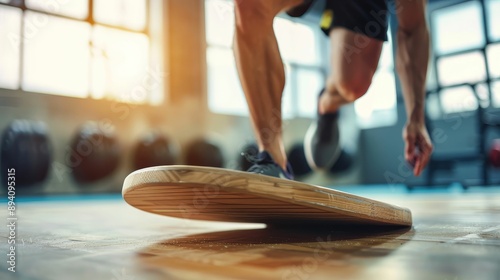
418,146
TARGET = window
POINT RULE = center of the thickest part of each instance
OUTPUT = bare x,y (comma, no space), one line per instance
66,50
10,30
224,91
493,54
75,8
458,99
458,49
493,10
309,84
300,49
463,68
299,45
219,16
378,106
496,93
130,14
60,68
297,42
452,33
116,72
433,106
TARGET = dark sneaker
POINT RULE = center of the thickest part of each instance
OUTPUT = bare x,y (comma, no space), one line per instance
321,143
300,10
264,164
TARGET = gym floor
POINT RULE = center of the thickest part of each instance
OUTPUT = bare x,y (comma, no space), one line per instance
456,235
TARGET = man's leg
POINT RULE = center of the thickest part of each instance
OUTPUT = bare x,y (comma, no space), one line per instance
354,61
353,65
261,70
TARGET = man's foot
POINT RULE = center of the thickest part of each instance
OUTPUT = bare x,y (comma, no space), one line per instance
264,164
300,10
322,141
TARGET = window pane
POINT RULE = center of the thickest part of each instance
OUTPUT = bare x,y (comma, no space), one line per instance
377,106
305,44
120,65
433,108
126,13
493,8
10,36
496,93
458,99
309,84
297,42
465,68
225,95
453,33
56,68
73,8
155,30
219,22
284,34
493,54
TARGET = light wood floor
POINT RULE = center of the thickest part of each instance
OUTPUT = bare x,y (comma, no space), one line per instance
455,236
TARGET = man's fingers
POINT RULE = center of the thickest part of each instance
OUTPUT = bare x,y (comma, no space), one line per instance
425,150
418,147
417,168
410,149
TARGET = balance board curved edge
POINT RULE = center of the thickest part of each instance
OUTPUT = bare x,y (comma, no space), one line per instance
216,194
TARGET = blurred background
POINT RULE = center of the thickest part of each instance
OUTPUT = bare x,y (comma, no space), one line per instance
91,90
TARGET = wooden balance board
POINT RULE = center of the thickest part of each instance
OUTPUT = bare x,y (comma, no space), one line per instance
217,194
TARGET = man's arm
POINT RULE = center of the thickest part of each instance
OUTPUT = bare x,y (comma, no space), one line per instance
411,63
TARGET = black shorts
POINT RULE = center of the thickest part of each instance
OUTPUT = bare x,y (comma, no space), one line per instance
368,17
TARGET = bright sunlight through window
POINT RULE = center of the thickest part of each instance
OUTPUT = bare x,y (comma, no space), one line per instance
113,53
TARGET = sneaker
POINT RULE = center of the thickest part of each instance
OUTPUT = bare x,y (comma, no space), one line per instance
322,141
265,165
300,9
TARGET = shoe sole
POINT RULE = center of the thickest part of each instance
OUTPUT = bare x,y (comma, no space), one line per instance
308,151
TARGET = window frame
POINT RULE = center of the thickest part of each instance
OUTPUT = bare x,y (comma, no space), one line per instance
489,80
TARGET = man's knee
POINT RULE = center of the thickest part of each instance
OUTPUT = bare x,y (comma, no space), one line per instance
351,90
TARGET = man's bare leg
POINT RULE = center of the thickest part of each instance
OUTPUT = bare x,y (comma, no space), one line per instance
354,61
261,70
353,66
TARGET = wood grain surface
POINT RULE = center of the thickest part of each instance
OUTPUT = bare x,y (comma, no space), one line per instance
455,236
216,194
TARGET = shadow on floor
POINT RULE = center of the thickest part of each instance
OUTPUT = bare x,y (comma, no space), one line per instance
271,253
